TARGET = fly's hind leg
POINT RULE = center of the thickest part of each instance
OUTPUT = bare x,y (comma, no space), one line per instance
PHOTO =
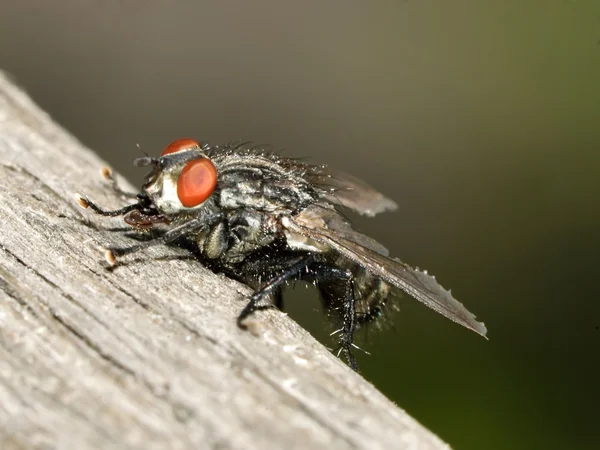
324,272
309,268
349,315
278,299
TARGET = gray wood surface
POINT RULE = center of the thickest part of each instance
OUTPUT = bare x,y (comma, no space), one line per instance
147,355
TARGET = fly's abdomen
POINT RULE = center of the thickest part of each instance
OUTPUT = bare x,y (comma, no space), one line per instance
371,294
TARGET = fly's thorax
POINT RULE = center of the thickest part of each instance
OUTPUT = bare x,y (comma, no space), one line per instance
261,189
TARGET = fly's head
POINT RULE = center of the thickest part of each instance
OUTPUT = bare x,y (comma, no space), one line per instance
178,187
180,182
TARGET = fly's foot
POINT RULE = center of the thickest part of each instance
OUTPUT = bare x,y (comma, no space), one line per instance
345,348
257,302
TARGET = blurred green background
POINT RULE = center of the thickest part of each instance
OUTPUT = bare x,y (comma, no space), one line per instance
481,118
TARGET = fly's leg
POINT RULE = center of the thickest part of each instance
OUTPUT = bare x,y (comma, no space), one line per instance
108,175
169,236
324,272
85,203
278,299
307,268
347,339
261,299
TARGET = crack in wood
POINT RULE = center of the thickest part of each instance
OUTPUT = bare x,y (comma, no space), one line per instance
91,344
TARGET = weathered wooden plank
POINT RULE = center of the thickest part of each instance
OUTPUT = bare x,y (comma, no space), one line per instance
147,355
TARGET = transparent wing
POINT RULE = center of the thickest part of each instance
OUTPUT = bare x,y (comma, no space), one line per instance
346,190
326,217
417,284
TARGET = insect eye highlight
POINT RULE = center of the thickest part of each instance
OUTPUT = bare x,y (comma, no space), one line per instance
196,182
180,145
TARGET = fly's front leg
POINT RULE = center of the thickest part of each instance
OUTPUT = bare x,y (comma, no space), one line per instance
108,175
85,203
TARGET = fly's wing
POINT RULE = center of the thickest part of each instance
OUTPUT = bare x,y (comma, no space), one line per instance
346,190
418,284
328,218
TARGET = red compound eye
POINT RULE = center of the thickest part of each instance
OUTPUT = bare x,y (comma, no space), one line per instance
196,182
179,145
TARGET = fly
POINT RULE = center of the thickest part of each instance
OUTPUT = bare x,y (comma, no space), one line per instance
267,220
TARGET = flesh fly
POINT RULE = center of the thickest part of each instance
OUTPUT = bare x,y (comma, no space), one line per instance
268,220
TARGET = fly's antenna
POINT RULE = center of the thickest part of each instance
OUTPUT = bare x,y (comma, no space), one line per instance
145,161
139,147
